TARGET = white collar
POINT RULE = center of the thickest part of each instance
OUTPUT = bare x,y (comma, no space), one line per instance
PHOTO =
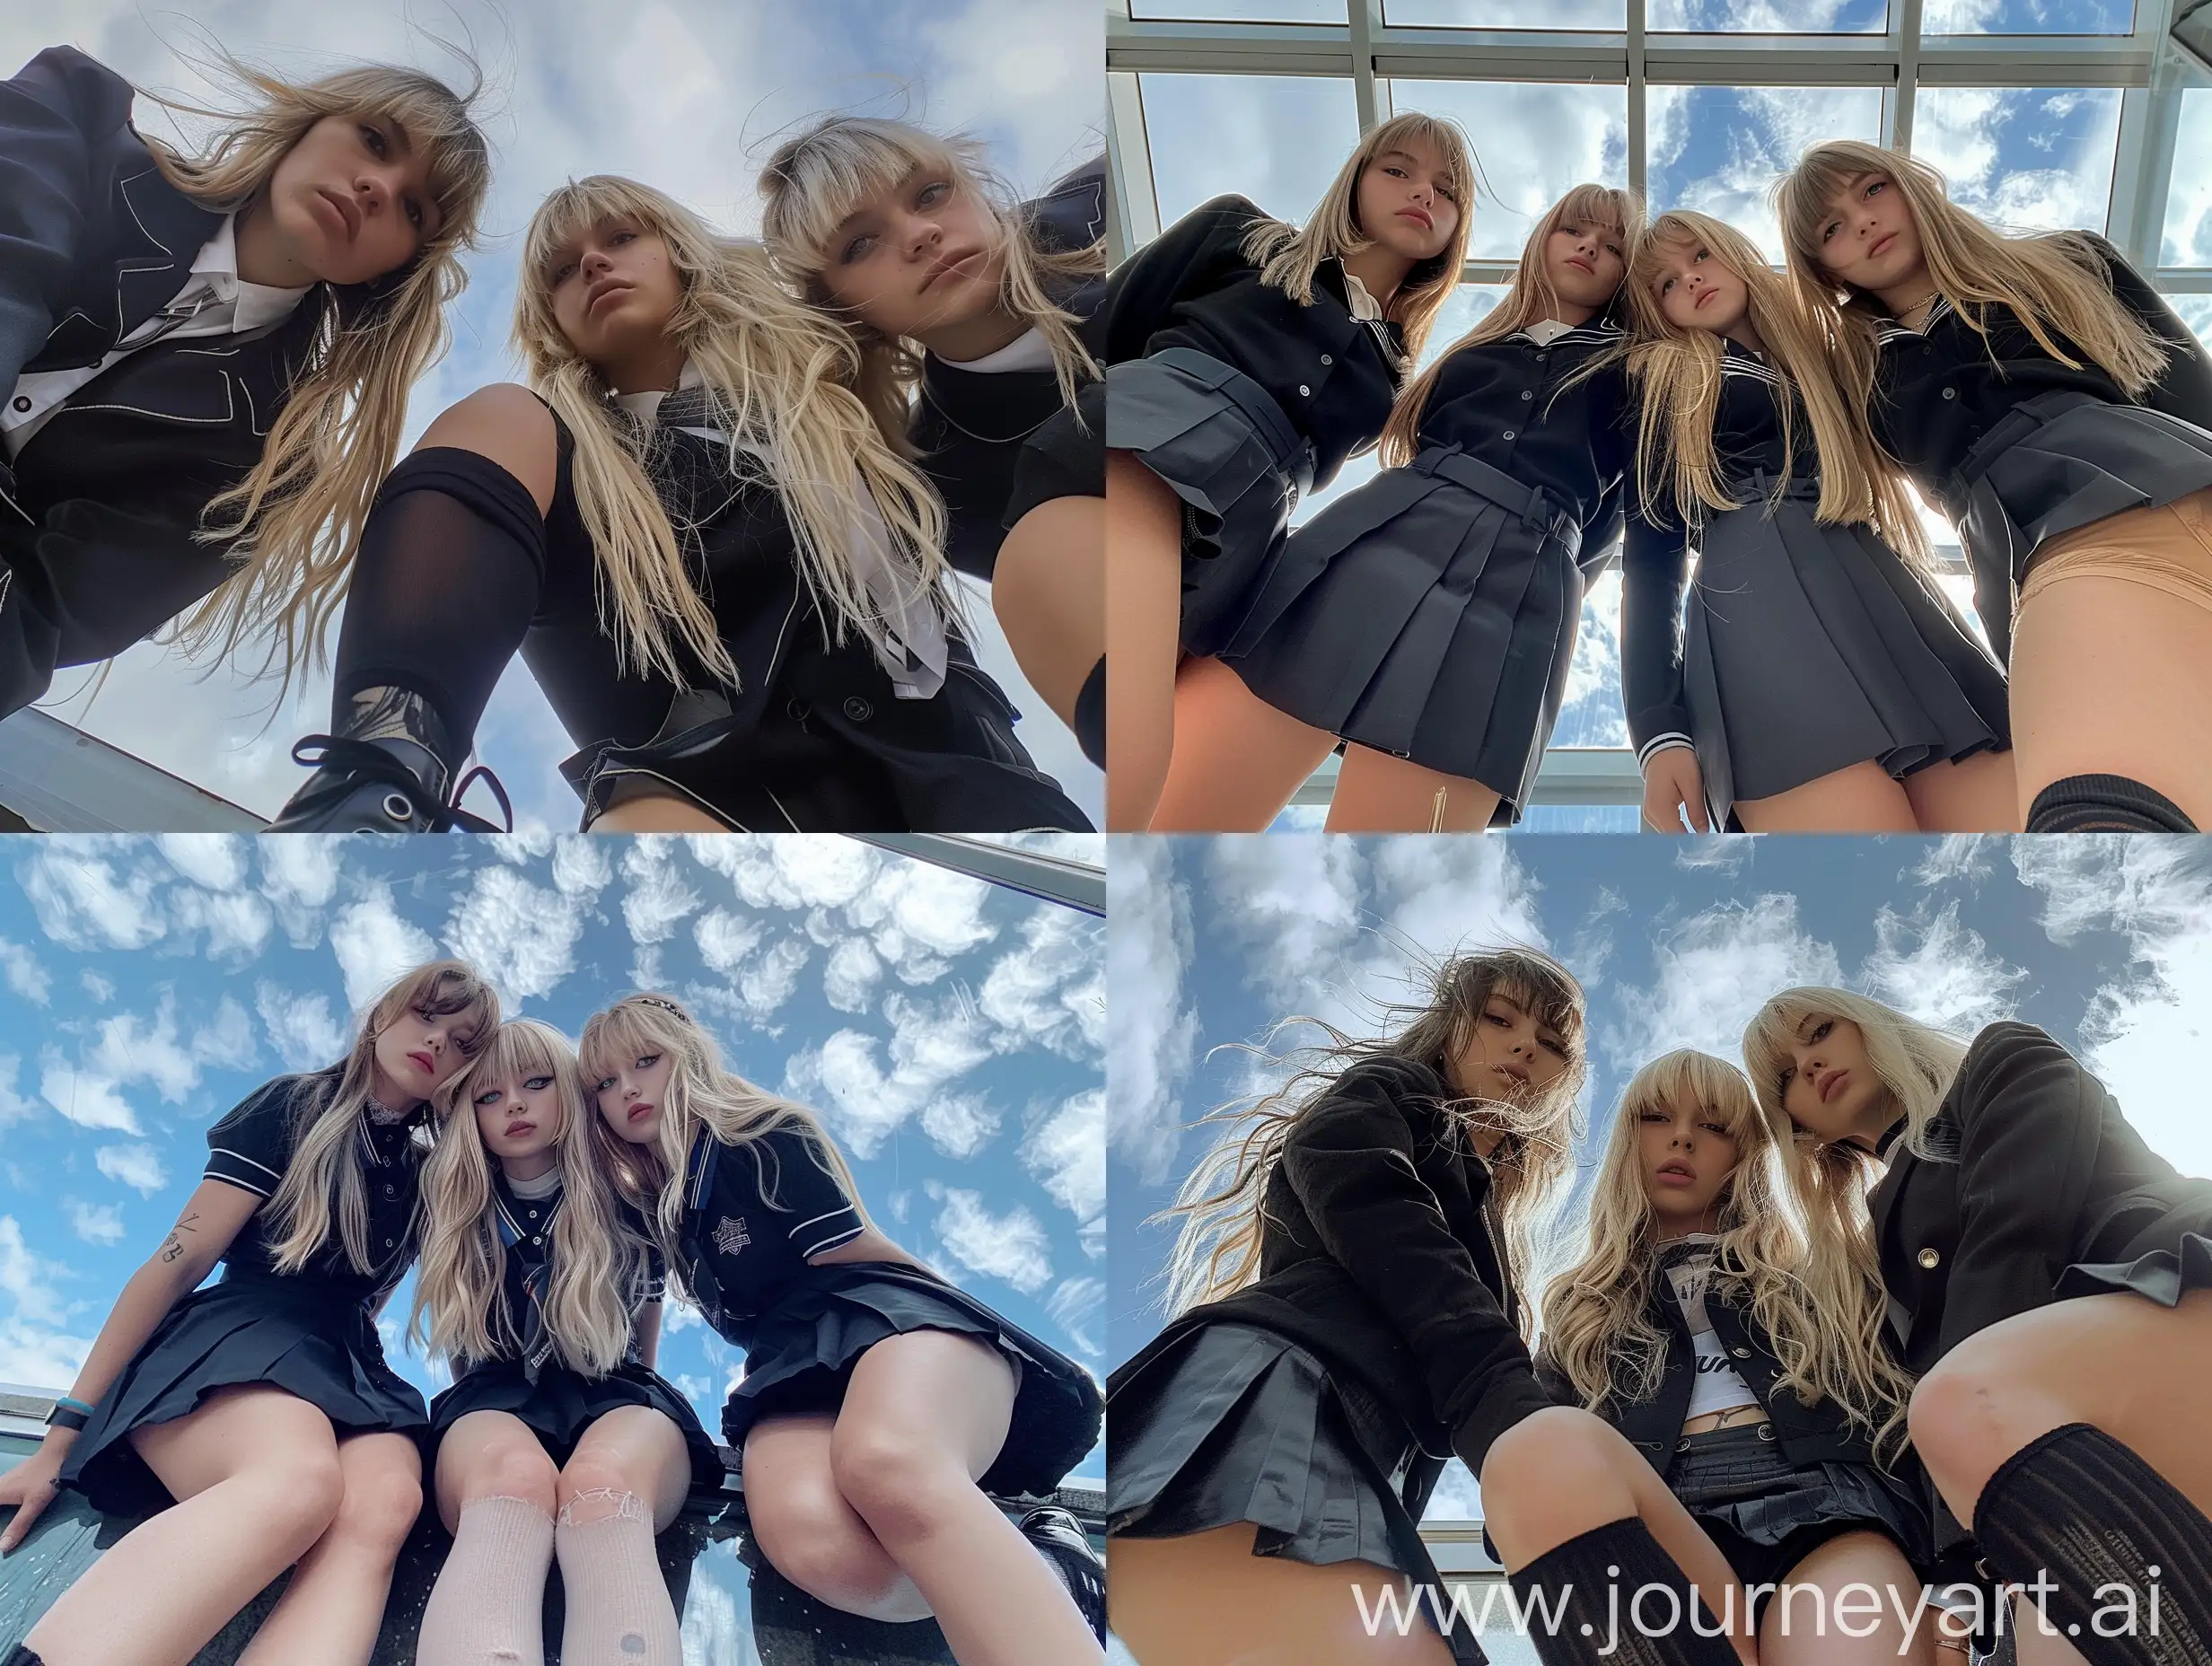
647,406
1544,331
1027,351
257,304
1365,306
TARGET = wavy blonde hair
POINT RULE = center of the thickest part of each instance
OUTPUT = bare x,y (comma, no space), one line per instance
815,181
1678,374
293,524
1287,255
598,1270
783,376
2056,283
324,1184
1223,1201
1597,1328
704,1096
1529,299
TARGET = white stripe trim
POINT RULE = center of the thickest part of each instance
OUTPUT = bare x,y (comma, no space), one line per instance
226,1152
827,1215
833,1241
1658,744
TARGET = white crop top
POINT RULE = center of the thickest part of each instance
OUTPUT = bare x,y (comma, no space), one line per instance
1719,1386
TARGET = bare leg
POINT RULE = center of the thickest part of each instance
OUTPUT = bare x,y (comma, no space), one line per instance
923,1416
807,1531
1811,1632
1143,637
334,1606
1048,591
1860,799
256,1474
1978,795
1379,794
2036,1642
1237,759
657,812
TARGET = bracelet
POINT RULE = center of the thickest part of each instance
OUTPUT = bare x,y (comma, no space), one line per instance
66,1417
73,1403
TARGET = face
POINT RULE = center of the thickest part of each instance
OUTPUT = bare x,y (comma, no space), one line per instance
631,1096
1867,236
1405,200
1585,262
614,287
1685,1155
1827,1087
418,1053
1696,292
917,257
1509,1055
352,199
519,1118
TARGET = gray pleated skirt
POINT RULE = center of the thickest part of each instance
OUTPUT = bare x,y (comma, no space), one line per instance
1220,442
1809,648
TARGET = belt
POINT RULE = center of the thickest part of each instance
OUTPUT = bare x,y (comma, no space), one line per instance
1531,503
1293,453
1760,484
2014,426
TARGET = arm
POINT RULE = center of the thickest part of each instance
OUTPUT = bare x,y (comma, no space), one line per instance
1143,286
646,1334
2184,387
1654,574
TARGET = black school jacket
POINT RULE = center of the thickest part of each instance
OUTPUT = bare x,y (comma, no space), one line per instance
97,511
1335,376
1377,1254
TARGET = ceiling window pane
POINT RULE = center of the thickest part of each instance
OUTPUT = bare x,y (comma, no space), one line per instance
2027,158
1533,140
2195,312
1719,149
1277,139
1238,11
2027,17
1607,14
1772,17
2188,240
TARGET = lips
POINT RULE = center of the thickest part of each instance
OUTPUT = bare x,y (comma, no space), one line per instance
1681,1172
1704,295
349,216
517,1127
639,1113
593,305
1419,217
1832,1083
1576,260
1518,1073
423,1062
944,267
1880,245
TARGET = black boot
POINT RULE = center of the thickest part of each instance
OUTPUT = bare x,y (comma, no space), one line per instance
1059,1539
386,771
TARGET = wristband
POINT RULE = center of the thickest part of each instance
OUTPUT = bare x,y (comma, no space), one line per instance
73,1403
66,1417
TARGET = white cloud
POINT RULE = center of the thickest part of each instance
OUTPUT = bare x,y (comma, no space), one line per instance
1715,970
138,1166
1148,953
217,861
849,976
299,876
1066,1153
89,1100
41,1357
1075,1305
300,1026
580,867
1938,971
14,1106
83,902
25,977
26,1278
1051,990
960,1124
374,947
95,1223
921,917
1292,902
1012,1246
95,985
237,923
866,1098
658,897
521,935
1955,856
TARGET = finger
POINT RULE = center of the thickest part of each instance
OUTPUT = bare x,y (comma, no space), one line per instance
1698,820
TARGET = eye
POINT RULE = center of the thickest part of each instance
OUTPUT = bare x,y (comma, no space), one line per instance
648,1060
1720,1128
561,274
490,1096
620,238
1394,171
1820,1029
538,1084
1651,1115
1782,1082
374,141
1830,230
932,194
1874,186
605,1083
1666,286
1554,1044
858,248
1697,256
415,215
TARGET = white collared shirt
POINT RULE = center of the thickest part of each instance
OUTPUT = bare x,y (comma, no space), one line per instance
214,301
1027,351
1544,331
1366,308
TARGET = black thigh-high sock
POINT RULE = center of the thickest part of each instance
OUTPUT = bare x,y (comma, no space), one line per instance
24,1657
451,566
1090,725
2105,804
1591,1586
2110,1535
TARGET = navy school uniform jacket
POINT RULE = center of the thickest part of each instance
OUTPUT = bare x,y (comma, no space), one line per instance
525,1228
742,1251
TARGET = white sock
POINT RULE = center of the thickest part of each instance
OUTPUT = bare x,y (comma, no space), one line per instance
486,1609
618,1610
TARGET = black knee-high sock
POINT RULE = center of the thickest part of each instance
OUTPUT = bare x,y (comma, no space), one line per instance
2105,804
1592,1584
24,1657
2083,1510
451,566
1090,723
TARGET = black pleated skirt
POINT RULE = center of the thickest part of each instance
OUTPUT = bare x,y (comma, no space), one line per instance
561,1404
1230,1423
290,1334
1220,442
1809,648
2164,1274
1431,613
1065,456
802,1351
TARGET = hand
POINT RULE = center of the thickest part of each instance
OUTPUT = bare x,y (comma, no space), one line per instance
1675,786
30,1486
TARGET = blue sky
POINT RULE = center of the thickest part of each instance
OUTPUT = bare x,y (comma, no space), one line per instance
950,1032
686,94
2106,942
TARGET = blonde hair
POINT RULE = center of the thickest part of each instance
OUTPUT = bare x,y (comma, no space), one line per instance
324,1184
1529,299
1596,1314
598,1270
293,524
704,1096
1287,255
2057,283
814,182
1678,374
782,376
1223,1201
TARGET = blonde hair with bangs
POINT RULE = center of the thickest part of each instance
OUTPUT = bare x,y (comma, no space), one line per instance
1678,373
293,524
1529,299
782,376
1597,1328
813,183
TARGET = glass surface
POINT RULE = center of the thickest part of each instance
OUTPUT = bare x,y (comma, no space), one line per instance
2195,312
1772,17
1277,139
2188,240
1533,140
2027,17
2023,158
1239,10
1719,149
1588,15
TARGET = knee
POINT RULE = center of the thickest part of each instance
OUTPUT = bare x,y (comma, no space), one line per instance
509,425
901,1489
518,1469
592,1472
301,1499
378,1510
1558,1448
1957,1416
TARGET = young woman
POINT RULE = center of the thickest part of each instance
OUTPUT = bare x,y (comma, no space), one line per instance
205,359
1754,1383
724,579
1246,360
1346,1315
2041,394
1428,618
970,311
557,1436
256,1417
878,1403
2065,1431
1825,685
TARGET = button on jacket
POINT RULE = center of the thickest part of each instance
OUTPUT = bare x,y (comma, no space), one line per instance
1334,376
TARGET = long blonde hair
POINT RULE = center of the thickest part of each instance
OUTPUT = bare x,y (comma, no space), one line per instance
1529,299
1597,1326
1678,374
2056,283
1288,256
324,1183
1223,1201
782,376
814,182
293,524
704,1096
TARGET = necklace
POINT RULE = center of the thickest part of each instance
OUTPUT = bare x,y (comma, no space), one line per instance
1923,305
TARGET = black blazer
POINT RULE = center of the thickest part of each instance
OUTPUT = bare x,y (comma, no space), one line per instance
1377,1254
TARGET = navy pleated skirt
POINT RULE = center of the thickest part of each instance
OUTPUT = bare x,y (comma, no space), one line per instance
1065,456
560,1404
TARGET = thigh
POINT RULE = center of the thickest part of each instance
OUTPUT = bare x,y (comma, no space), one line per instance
1379,794
656,812
1862,798
637,1449
1977,795
1143,637
235,1429
1867,1594
1048,591
490,1454
508,424
929,1390
789,1485
1237,759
